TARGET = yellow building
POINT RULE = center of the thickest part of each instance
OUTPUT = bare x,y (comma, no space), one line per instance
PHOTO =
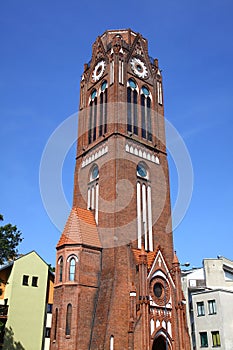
26,303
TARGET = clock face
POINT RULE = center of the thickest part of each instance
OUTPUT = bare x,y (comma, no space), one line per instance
98,70
138,67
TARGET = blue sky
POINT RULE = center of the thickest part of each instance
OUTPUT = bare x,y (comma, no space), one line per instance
44,45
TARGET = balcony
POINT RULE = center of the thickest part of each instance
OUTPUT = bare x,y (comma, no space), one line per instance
197,284
3,311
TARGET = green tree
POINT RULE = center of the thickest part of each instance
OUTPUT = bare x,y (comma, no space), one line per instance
10,237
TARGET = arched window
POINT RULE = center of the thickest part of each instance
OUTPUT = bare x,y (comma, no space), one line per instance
144,208
159,92
132,109
160,343
60,263
55,324
111,347
72,269
146,113
93,191
92,117
103,108
68,319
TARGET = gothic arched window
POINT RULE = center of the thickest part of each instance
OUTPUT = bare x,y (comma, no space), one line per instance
132,108
93,191
68,319
111,347
60,263
146,113
72,269
55,324
103,108
144,208
92,116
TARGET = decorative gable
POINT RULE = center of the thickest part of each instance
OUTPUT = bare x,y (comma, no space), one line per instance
160,268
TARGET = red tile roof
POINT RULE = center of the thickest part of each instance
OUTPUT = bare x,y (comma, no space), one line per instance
150,257
80,228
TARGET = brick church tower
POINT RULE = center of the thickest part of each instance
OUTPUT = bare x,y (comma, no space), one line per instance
117,276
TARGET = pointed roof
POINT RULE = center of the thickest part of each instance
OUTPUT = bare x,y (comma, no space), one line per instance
175,259
80,228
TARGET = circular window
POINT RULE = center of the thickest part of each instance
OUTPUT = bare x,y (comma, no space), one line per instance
132,84
141,170
145,91
95,172
158,289
103,85
93,94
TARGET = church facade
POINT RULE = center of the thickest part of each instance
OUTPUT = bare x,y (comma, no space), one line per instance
117,283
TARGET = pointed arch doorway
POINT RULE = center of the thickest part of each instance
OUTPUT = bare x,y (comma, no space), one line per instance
160,344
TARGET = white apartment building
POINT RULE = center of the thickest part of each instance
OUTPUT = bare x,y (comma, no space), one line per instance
209,294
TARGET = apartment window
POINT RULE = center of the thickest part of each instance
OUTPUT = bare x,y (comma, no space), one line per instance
47,332
200,308
212,307
216,339
49,308
34,281
25,280
204,339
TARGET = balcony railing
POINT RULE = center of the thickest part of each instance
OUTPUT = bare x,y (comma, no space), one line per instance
197,284
3,310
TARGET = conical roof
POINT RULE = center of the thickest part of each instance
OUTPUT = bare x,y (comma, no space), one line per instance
80,228
175,259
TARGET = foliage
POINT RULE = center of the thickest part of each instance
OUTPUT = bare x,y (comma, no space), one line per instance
51,268
9,342
10,237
